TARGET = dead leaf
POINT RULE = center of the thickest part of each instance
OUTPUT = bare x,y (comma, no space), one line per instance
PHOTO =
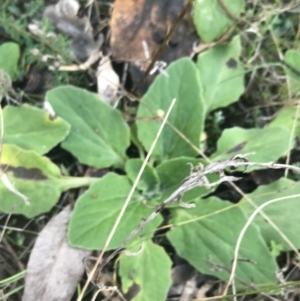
139,27
54,268
108,82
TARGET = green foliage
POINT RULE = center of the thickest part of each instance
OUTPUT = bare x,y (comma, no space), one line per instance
149,183
14,22
286,119
11,51
97,136
217,86
212,21
282,213
276,248
211,239
266,144
292,57
156,275
183,84
102,203
33,129
34,176
171,174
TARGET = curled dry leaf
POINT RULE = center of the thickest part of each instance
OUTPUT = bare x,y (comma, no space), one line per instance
138,30
108,82
54,268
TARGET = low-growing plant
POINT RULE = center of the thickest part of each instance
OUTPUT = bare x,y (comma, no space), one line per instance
97,136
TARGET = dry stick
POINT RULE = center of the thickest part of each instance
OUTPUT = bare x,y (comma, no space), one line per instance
126,202
228,12
5,225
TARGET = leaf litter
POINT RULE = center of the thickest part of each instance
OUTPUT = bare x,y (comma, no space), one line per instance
54,268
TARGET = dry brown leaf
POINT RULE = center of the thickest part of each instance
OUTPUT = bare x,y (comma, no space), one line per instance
54,268
139,27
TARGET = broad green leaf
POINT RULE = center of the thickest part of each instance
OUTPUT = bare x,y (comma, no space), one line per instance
34,176
150,269
221,74
284,213
99,136
268,144
287,118
9,56
292,57
97,209
149,182
33,129
171,174
212,21
182,83
210,238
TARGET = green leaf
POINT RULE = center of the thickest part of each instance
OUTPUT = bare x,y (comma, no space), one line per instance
187,115
9,56
211,236
149,182
101,205
287,118
284,213
171,174
276,249
292,57
33,129
221,74
134,139
212,21
34,176
150,271
99,136
268,144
